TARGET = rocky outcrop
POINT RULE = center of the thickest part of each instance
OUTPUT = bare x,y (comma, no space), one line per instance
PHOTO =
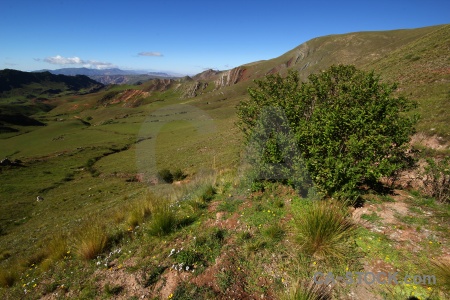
195,89
231,77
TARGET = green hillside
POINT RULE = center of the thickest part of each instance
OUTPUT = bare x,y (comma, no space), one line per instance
106,223
23,94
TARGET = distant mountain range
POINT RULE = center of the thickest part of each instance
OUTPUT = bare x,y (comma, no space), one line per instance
112,76
101,72
18,83
23,94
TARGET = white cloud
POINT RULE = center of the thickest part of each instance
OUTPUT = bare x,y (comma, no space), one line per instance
150,54
60,60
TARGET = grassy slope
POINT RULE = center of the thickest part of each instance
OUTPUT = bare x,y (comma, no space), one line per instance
55,156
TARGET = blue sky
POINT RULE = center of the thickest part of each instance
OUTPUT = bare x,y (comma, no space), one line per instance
186,36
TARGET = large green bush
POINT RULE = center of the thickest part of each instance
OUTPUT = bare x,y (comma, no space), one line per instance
346,125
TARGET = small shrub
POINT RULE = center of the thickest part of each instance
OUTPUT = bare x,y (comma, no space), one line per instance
324,231
436,179
92,242
165,175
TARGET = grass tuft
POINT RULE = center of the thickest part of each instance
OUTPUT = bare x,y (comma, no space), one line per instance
164,219
441,270
208,193
309,291
324,231
92,242
275,232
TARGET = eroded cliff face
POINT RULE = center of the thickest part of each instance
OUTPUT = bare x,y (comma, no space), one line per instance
230,77
195,89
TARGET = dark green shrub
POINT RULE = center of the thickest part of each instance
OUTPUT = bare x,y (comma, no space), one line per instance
344,125
166,175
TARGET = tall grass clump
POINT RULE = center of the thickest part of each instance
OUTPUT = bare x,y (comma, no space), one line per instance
58,247
441,269
324,231
7,278
310,291
164,218
140,211
91,242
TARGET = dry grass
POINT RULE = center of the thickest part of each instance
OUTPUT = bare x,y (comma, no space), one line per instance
441,270
91,242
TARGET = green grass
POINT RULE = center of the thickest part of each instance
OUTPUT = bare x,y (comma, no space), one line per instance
86,173
163,221
373,217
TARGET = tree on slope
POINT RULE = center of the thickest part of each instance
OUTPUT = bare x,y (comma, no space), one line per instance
348,127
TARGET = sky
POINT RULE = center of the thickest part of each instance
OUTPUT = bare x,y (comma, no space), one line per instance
186,37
